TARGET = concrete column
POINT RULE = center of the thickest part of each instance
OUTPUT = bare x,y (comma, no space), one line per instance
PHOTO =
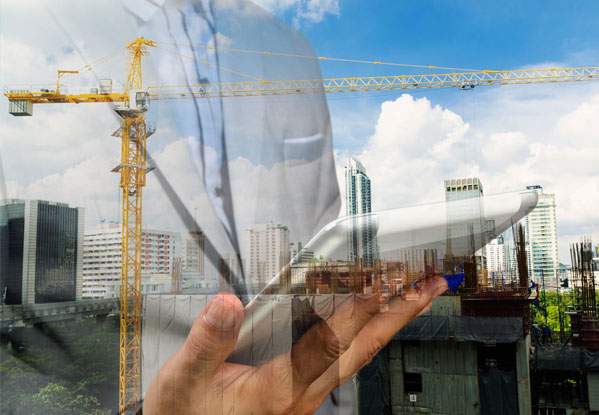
523,375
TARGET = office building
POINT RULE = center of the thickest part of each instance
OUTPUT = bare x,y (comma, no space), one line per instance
102,258
268,252
298,254
466,226
541,240
41,251
361,235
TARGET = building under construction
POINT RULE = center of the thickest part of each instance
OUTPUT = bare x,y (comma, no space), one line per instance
473,353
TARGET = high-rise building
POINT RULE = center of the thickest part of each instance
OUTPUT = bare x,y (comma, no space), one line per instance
496,255
193,252
229,272
268,251
298,254
41,251
466,225
541,240
102,258
361,235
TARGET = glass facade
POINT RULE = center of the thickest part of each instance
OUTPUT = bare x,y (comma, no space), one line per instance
12,229
56,253
361,237
48,231
541,237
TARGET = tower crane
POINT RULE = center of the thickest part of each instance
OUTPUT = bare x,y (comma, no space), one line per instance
134,132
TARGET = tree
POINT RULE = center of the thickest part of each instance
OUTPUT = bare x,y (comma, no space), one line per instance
58,399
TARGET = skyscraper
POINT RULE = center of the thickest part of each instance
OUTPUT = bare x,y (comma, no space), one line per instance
465,219
541,239
361,237
268,251
41,251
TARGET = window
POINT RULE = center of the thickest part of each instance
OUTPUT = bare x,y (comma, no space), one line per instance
412,382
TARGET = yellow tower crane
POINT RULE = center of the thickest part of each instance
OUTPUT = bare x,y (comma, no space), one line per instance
133,169
134,132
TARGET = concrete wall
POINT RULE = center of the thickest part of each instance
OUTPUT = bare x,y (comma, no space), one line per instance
446,306
523,375
449,377
593,387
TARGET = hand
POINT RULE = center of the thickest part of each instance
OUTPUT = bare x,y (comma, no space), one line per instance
198,380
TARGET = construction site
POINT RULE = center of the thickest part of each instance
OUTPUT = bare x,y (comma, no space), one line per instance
485,345
476,340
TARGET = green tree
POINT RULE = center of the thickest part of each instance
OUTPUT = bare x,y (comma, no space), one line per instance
79,359
58,399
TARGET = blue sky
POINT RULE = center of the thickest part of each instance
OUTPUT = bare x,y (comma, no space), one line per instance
465,34
469,34
481,35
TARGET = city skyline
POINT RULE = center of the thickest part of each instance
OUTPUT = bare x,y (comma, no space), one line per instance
476,186
409,141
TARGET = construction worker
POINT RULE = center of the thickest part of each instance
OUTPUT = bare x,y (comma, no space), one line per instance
546,334
535,333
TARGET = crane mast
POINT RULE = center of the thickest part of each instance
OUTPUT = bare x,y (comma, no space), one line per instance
133,169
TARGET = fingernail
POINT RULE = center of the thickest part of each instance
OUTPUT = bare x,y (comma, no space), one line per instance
221,314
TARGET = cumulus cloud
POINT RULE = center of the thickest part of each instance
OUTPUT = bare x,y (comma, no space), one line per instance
503,149
416,145
582,123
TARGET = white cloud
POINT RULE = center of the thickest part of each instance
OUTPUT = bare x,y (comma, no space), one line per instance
504,149
416,145
582,123
305,11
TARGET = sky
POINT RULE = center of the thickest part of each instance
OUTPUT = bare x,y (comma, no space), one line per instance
409,143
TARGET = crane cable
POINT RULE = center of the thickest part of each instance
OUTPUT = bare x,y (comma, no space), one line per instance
214,66
293,55
95,64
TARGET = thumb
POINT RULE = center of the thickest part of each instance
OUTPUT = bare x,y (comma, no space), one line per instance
214,333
